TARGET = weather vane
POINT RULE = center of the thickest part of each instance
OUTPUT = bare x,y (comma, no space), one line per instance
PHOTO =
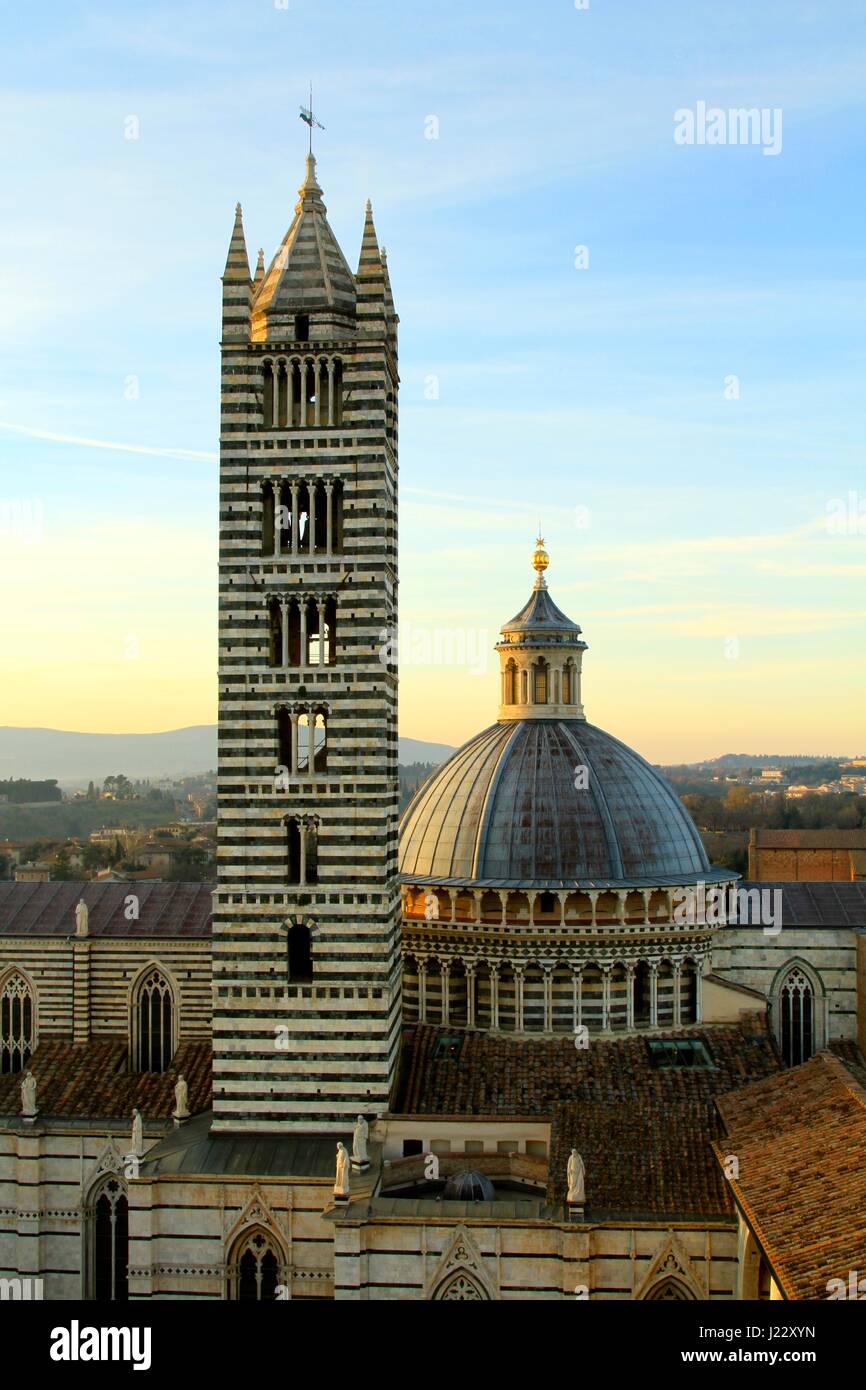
306,114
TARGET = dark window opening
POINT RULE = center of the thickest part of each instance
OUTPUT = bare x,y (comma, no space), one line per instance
300,953
302,327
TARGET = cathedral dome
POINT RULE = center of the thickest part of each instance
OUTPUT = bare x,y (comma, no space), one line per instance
543,797
505,808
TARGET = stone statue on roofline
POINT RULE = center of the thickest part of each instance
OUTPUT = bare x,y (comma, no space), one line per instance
81,918
576,1180
181,1100
137,1133
28,1096
359,1143
341,1182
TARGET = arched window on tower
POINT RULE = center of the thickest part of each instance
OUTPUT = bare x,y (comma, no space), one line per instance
16,1023
511,683
154,1018
300,953
293,850
267,519
523,687
108,1238
267,394
275,633
311,849
797,1017
568,683
539,683
284,738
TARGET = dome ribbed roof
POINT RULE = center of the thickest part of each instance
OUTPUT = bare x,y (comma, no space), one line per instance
505,809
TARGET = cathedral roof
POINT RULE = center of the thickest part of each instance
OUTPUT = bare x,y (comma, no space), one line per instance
93,1080
505,808
309,271
800,1138
164,909
540,616
642,1130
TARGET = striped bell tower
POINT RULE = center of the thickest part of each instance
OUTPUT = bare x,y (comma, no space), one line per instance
307,917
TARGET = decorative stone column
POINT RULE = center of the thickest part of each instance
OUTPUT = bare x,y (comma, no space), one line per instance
445,984
296,517
284,630
302,602
654,993
577,995
330,390
312,488
329,515
548,996
293,719
469,967
677,974
518,998
494,998
629,994
605,997
320,609
422,989
278,488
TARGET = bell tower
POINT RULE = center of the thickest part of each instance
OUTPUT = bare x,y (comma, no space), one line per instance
307,909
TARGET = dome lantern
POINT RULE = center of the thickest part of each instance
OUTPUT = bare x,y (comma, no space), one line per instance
540,655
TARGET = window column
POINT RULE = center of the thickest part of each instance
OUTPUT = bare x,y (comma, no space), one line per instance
320,609
302,600
329,503
277,486
469,967
311,519
293,716
284,633
330,391
296,519
494,997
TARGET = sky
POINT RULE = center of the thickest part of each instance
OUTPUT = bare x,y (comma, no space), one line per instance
654,349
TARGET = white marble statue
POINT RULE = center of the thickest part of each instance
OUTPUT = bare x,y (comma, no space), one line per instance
28,1095
181,1100
576,1180
341,1183
81,918
137,1133
359,1142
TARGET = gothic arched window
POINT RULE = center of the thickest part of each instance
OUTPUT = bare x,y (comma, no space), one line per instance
254,1270
669,1291
461,1287
16,1023
154,1047
109,1243
797,1017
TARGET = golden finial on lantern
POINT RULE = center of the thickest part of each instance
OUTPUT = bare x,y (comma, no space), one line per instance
540,557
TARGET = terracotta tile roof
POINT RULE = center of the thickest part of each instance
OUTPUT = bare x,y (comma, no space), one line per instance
800,1138
48,909
644,1132
91,1081
809,839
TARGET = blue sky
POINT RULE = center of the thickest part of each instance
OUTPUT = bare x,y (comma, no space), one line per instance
721,611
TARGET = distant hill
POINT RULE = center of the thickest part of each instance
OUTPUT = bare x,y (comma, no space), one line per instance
73,757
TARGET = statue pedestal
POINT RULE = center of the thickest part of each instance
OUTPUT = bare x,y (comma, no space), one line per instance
360,1165
575,1211
340,1200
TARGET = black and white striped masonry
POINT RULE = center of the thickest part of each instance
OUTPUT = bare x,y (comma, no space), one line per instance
307,920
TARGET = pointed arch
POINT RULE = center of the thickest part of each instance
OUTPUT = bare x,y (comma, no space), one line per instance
18,1011
256,1254
461,1273
671,1275
798,1009
153,1018
106,1239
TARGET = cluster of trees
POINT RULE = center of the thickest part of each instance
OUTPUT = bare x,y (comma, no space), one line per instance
18,790
743,809
411,777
